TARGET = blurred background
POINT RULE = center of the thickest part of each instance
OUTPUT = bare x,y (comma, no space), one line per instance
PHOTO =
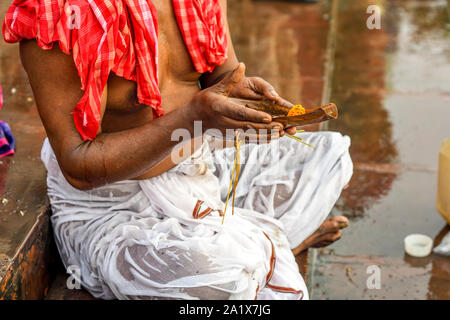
392,87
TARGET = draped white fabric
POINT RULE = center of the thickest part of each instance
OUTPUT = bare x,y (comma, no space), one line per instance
142,240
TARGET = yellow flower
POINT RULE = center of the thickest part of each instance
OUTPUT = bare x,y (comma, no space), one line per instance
296,110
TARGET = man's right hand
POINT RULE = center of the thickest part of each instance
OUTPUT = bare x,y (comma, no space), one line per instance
213,107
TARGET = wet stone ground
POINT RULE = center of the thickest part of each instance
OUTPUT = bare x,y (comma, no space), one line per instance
393,89
22,176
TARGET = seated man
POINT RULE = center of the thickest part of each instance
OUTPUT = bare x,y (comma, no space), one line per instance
112,85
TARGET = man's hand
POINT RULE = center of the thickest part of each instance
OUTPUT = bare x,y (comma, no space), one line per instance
217,112
258,88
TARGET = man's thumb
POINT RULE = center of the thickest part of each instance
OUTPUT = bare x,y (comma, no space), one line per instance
232,79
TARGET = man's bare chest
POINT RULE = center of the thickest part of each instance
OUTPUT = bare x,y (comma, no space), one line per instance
174,59
175,68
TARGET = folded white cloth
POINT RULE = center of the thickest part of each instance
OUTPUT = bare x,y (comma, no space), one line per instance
163,238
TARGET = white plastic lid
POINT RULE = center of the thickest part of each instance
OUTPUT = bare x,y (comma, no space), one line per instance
418,245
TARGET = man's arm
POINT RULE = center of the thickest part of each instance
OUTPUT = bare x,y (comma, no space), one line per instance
129,153
111,156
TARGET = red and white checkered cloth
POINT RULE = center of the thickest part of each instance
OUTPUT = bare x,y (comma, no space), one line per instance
119,36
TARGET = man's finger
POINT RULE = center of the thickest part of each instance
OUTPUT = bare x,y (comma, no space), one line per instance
240,112
284,102
262,87
268,91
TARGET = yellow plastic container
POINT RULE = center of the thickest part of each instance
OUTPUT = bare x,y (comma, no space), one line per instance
443,194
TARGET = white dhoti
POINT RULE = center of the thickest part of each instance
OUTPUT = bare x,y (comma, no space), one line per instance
163,238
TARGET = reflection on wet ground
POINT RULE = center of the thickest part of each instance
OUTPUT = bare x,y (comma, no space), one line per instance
393,89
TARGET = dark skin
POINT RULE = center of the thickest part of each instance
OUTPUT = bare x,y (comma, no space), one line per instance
130,143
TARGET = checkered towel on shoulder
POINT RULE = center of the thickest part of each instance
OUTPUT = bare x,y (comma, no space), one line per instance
119,36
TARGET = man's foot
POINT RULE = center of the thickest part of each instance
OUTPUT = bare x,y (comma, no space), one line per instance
328,232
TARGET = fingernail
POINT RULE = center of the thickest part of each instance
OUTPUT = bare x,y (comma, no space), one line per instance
342,224
266,119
